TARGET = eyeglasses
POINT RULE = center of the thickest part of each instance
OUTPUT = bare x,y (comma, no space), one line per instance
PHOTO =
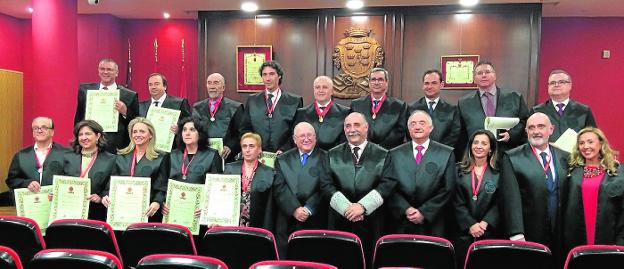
305,136
40,128
559,82
377,80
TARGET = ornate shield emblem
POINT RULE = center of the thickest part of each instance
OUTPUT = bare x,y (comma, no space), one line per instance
355,55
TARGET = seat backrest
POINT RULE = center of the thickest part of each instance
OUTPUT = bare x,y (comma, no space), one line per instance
143,239
595,256
409,250
75,259
238,247
22,235
179,261
9,259
507,254
286,264
340,249
82,234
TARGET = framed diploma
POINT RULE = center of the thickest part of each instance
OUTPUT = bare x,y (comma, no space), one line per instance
268,158
34,205
222,203
162,119
101,108
248,62
70,198
129,199
457,71
183,200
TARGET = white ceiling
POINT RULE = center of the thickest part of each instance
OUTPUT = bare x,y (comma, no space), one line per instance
153,9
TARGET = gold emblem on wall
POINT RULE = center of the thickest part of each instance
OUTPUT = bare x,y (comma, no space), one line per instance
355,55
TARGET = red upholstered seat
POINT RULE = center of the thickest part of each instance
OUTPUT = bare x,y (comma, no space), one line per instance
238,247
178,261
143,239
9,259
82,234
286,264
22,235
595,256
409,250
490,254
340,249
75,259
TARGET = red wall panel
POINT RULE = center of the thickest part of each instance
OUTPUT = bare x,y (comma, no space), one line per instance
11,43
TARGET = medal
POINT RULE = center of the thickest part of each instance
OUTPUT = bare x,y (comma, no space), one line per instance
375,108
184,177
270,115
215,106
374,115
321,119
474,197
321,114
212,119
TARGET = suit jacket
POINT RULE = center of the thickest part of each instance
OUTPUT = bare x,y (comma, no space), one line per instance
204,162
508,104
524,195
388,129
228,122
119,139
609,217
427,187
261,211
171,102
155,169
23,168
485,208
330,132
576,116
446,122
276,131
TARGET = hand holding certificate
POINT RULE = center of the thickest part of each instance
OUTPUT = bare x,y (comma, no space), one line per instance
34,205
493,124
129,199
268,158
183,200
163,118
70,198
100,107
222,205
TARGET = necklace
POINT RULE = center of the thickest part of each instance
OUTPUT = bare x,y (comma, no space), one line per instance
592,171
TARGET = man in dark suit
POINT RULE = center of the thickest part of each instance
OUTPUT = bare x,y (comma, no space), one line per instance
157,84
220,116
35,165
425,174
491,101
563,112
529,185
357,189
386,115
296,188
324,114
127,105
270,113
444,115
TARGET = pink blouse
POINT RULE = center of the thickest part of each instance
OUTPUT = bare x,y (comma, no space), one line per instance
590,188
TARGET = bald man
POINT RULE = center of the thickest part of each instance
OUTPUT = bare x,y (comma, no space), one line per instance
221,116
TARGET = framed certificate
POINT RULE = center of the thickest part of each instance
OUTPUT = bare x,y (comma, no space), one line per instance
162,119
222,203
457,71
34,205
248,61
70,198
101,108
183,200
129,199
268,158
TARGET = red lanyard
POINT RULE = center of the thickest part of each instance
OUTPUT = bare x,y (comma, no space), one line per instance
375,109
475,189
134,161
247,180
539,159
185,168
273,103
40,162
216,107
321,114
84,172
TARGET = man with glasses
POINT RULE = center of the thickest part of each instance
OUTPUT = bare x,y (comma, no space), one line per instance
35,165
386,115
563,112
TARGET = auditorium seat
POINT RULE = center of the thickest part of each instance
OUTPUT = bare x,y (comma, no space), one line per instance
408,250
143,239
496,254
22,235
340,249
285,264
595,256
179,261
82,234
9,259
238,247
74,259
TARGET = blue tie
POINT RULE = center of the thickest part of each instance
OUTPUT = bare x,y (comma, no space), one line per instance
431,103
304,159
552,193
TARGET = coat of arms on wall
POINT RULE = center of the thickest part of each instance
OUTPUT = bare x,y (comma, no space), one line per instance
355,55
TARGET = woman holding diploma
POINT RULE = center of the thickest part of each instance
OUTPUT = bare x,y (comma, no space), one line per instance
89,159
256,199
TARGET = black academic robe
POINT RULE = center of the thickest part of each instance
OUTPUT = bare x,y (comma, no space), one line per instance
119,139
276,130
427,187
23,168
524,196
508,104
330,132
171,102
227,125
99,174
296,186
446,122
576,116
156,170
388,129
261,211
609,228
204,162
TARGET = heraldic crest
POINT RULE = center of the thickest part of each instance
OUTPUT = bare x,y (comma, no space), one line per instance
355,55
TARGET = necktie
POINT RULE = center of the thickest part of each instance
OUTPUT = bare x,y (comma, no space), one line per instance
356,157
212,106
270,100
419,154
322,108
155,103
375,103
104,88
304,159
490,110
552,195
560,109
431,103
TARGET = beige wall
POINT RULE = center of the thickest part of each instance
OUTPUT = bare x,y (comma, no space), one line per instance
11,88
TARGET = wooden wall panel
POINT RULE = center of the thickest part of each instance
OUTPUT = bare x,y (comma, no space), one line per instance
11,88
